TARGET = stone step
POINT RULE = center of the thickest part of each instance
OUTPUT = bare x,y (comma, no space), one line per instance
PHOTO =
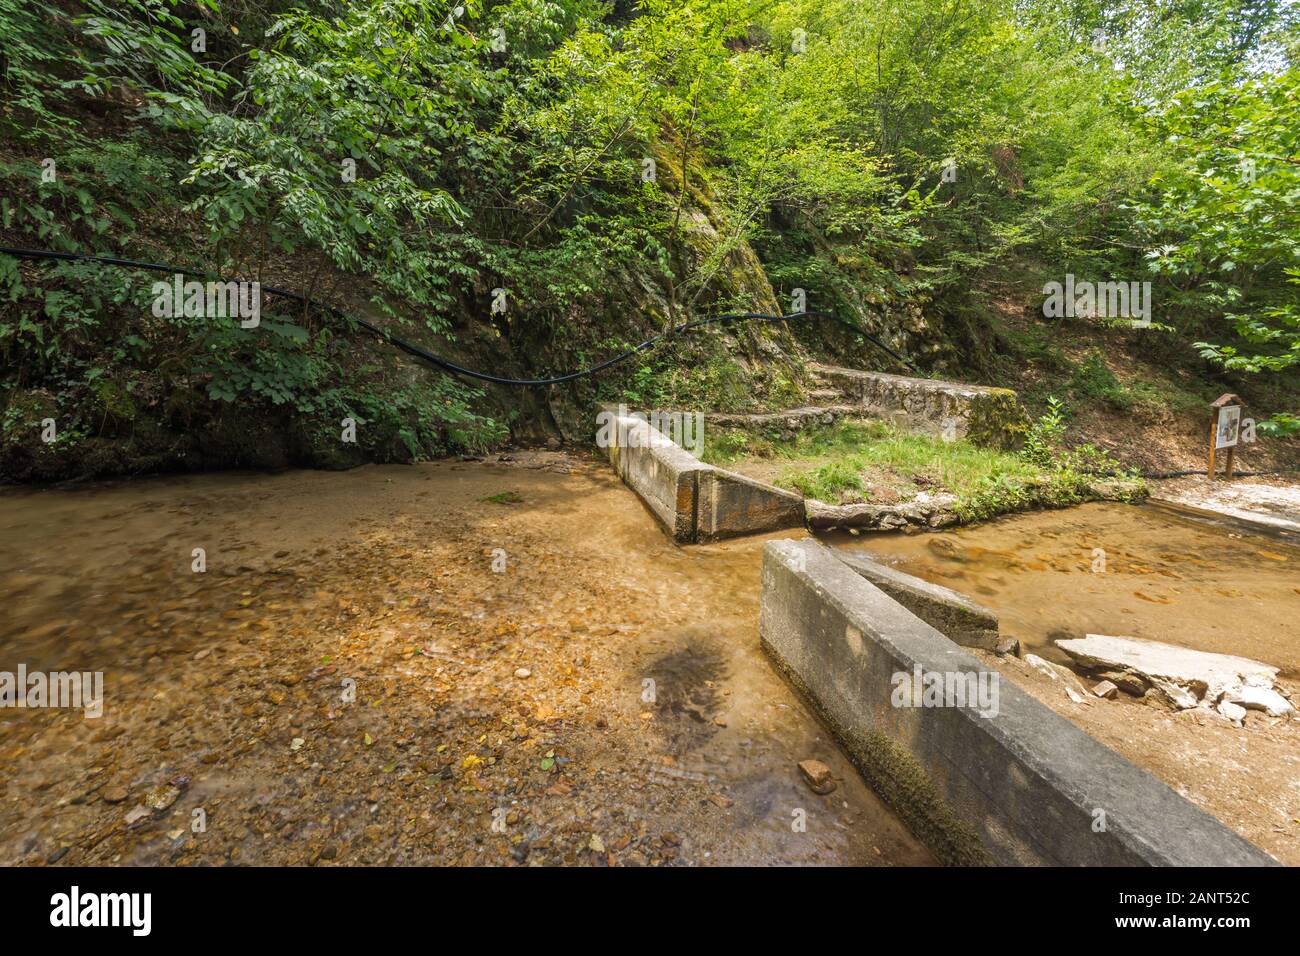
785,422
829,396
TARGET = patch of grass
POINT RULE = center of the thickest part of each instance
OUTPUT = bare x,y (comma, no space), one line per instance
723,446
846,461
504,498
958,465
927,462
858,461
829,482
843,437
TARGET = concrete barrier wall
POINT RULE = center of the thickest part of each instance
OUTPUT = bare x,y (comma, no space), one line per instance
694,501
664,475
1024,786
953,615
731,504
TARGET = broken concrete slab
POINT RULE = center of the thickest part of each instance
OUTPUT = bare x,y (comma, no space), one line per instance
947,611
1188,678
1131,682
1176,697
1105,690
1233,712
1266,699
1073,686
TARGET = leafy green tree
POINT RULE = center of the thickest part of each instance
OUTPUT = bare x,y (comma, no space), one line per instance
1225,220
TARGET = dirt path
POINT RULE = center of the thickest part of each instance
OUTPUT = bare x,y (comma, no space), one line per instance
225,690
1271,502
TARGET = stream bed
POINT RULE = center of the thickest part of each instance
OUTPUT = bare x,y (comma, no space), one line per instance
1148,572
480,662
1103,568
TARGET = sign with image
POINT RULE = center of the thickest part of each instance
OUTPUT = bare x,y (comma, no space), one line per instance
1225,428
1229,425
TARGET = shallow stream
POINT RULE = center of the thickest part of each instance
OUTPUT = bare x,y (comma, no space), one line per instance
1144,571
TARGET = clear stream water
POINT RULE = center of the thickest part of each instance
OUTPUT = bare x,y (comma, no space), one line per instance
1145,571
205,672
212,675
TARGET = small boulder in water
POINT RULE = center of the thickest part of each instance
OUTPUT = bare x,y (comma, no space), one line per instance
817,775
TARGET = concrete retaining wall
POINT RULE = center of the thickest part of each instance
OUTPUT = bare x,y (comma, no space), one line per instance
731,504
694,501
986,416
1024,786
953,615
664,475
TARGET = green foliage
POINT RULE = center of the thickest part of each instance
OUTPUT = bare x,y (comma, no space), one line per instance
828,482
1281,425
1045,446
1045,435
32,53
1225,220
854,460
1093,380
619,167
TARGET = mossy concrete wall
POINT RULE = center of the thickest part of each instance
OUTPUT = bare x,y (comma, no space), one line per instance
1022,785
985,416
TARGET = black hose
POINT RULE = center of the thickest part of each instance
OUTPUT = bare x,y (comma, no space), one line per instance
412,349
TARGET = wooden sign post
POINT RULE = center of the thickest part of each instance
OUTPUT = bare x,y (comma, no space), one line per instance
1225,424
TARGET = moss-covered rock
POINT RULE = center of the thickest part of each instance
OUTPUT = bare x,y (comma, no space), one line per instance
996,420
